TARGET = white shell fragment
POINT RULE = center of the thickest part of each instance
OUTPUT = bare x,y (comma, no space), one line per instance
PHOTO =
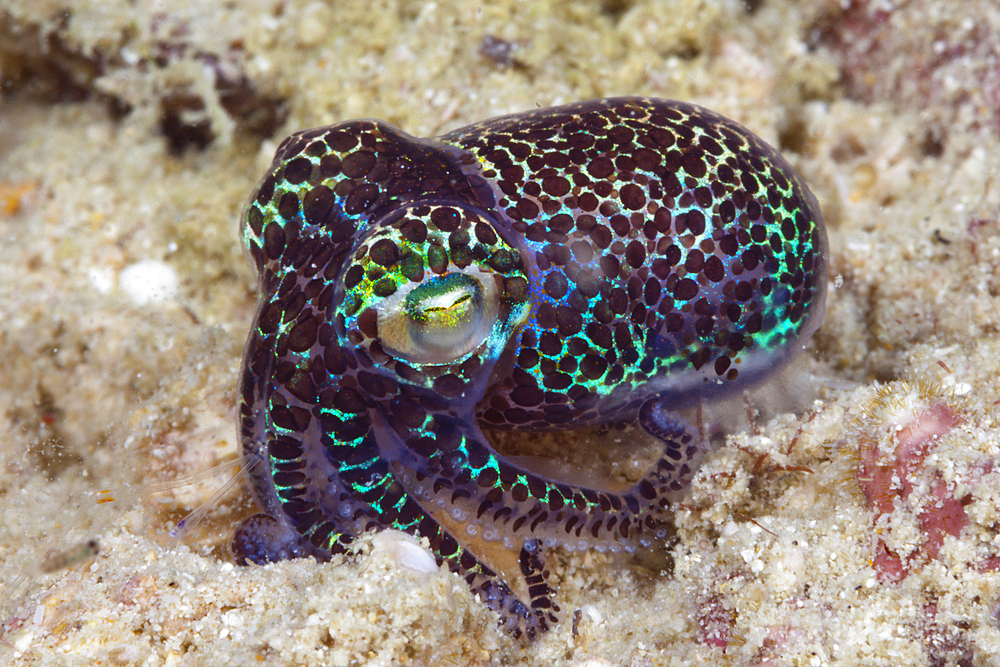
405,551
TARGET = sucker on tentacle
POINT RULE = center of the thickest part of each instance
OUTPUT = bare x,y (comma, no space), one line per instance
600,262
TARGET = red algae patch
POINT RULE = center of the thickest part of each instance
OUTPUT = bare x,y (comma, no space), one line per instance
905,481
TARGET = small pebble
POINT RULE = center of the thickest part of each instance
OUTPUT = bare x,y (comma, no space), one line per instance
149,281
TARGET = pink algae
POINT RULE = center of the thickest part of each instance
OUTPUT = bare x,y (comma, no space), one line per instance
715,622
894,474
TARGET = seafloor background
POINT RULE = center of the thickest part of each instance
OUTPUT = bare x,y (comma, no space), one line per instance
132,132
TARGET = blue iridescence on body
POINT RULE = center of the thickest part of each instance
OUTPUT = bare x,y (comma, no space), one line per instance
602,261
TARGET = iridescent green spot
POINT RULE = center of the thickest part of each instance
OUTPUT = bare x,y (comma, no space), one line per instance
412,266
461,256
384,287
458,238
502,260
352,305
437,259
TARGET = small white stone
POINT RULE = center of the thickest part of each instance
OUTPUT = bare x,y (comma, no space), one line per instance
129,56
593,613
101,279
149,281
594,662
233,619
24,641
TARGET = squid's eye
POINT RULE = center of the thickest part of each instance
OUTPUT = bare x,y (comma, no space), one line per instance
440,319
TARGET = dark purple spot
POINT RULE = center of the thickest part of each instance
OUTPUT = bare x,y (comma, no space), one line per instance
358,164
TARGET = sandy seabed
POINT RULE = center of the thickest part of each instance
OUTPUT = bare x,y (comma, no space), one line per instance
855,527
